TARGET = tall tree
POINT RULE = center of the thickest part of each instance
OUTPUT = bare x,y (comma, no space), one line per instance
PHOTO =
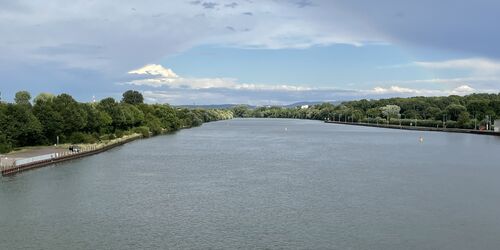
23,98
454,110
390,111
132,97
73,116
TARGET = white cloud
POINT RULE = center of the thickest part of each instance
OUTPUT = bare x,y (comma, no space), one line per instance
159,76
178,96
172,88
463,90
154,70
452,81
476,65
460,90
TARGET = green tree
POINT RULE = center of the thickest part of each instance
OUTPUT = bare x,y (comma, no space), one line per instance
21,126
44,97
23,98
454,110
463,119
241,111
73,116
154,124
5,145
132,97
390,111
373,112
50,119
433,113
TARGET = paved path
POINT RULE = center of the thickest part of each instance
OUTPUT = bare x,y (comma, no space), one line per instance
8,159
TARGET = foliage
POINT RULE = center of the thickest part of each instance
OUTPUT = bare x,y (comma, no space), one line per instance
390,111
143,130
22,124
80,137
132,97
450,111
5,145
22,98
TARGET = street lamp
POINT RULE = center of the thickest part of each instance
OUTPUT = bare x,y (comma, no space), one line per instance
487,122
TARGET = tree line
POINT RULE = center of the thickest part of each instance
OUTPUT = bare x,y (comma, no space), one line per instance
49,118
468,112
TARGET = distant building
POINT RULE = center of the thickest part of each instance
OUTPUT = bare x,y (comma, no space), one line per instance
304,107
496,125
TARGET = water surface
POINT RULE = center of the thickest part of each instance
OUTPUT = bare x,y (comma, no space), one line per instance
264,184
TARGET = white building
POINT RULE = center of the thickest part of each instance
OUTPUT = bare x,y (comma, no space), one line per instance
304,107
496,125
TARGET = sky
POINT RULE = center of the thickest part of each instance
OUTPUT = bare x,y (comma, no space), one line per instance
253,52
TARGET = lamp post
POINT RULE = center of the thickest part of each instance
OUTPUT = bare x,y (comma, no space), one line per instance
487,122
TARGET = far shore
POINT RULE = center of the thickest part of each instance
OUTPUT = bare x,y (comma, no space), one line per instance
417,128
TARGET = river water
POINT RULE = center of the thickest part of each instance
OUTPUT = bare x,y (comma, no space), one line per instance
264,184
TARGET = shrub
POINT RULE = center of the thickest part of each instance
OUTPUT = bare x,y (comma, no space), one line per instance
108,137
119,133
5,145
79,137
451,124
142,130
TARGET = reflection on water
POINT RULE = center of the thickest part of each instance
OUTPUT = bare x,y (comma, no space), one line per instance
264,183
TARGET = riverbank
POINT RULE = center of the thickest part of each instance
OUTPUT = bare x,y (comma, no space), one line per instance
41,156
448,130
37,157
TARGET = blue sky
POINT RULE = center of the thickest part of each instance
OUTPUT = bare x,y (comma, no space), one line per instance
254,52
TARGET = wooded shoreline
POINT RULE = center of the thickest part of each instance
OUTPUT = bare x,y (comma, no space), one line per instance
417,128
43,163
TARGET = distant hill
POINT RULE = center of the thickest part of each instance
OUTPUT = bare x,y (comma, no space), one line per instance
293,105
228,106
213,106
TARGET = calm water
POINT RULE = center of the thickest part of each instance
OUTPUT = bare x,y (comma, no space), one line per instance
251,183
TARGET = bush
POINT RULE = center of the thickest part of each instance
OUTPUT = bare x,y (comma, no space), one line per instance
142,130
196,122
378,120
5,145
108,137
79,137
119,133
451,124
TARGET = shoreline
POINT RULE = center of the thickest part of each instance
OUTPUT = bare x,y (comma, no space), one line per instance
67,156
446,130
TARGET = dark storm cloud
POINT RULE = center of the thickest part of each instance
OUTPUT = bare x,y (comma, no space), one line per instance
467,26
209,5
86,45
231,5
304,3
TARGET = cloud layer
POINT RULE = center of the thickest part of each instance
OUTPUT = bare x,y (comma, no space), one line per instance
163,85
109,36
90,44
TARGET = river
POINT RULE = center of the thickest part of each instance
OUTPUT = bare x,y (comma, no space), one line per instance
264,184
